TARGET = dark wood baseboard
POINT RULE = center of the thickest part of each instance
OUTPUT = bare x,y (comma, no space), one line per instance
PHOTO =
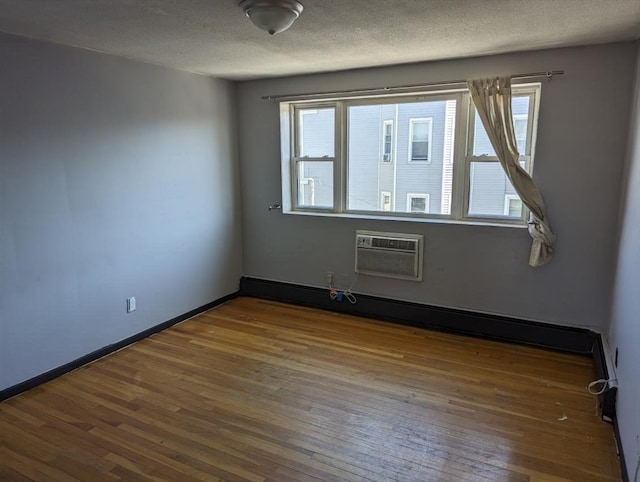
556,337
623,464
607,399
83,360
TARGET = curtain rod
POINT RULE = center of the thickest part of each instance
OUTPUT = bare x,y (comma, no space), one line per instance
387,90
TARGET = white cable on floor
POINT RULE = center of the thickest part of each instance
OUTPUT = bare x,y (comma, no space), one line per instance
605,384
351,298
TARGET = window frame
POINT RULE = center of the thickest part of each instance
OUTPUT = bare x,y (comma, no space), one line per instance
461,160
507,201
525,159
412,195
383,194
413,121
385,123
298,147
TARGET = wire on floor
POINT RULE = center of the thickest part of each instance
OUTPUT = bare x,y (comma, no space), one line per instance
351,298
605,384
337,295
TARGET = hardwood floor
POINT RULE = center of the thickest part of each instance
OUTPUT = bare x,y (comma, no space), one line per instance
261,391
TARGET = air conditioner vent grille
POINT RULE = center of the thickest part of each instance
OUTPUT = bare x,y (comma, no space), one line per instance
392,243
390,255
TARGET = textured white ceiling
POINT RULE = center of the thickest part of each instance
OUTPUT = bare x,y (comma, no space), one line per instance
213,37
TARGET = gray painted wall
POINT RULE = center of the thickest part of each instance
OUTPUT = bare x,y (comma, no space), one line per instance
117,179
579,160
625,316
120,179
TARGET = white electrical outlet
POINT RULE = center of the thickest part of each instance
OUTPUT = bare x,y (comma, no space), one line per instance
131,304
329,278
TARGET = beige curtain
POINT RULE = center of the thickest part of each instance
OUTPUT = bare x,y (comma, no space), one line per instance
492,98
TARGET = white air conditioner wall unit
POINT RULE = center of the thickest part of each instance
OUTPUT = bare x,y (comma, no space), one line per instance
390,255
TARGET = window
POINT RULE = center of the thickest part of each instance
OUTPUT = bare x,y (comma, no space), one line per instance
512,206
338,157
520,124
420,140
385,201
387,140
488,184
314,163
417,203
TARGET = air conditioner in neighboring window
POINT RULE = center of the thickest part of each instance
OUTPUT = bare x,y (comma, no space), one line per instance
390,255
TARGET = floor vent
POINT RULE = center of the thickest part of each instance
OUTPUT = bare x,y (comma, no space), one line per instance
391,255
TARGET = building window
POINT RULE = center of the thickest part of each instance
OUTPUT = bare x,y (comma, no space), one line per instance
417,203
520,127
420,140
337,157
385,201
512,206
387,140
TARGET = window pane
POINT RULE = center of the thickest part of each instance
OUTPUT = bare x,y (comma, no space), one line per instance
520,124
367,177
418,204
315,184
316,132
387,149
385,200
420,131
420,150
514,208
520,107
387,140
489,189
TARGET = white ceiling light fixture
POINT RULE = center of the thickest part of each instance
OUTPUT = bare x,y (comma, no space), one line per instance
274,16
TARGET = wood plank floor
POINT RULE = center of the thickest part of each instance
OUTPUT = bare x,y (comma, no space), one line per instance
261,391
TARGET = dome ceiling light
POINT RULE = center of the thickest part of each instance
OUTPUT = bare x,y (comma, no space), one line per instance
273,16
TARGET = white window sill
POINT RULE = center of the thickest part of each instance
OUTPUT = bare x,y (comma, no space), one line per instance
499,223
